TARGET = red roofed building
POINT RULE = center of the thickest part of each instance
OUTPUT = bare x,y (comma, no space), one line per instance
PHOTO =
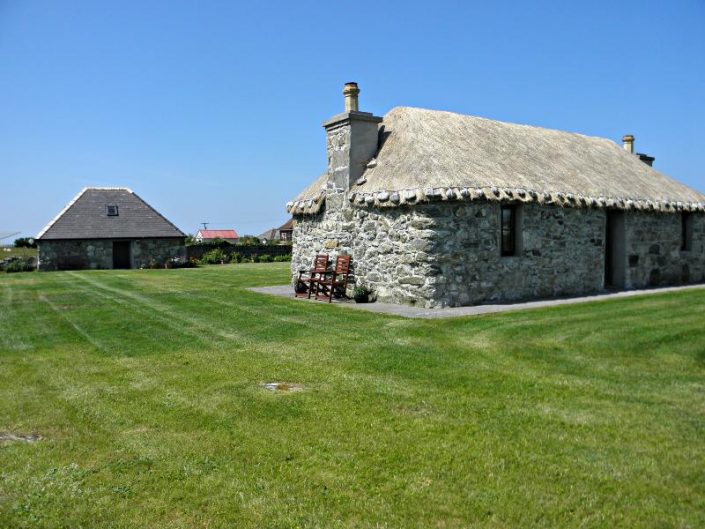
230,236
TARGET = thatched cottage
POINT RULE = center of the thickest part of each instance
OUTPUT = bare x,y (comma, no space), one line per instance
103,228
441,209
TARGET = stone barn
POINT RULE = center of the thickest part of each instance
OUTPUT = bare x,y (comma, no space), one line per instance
441,209
103,228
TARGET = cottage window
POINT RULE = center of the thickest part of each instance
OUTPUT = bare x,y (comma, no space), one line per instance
509,230
112,210
686,232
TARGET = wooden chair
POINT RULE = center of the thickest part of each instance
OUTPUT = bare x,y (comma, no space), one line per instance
334,281
304,285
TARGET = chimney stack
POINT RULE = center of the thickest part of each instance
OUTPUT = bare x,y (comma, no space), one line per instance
351,91
628,141
351,141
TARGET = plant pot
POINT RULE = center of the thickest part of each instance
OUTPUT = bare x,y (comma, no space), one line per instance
365,298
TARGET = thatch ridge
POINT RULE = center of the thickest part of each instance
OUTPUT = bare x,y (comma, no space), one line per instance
434,155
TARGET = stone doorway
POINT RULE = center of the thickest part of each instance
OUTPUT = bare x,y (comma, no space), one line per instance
614,250
121,254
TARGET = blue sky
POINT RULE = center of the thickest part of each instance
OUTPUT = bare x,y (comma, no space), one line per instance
212,111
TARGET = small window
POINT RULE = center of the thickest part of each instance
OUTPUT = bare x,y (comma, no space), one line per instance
509,231
686,232
112,211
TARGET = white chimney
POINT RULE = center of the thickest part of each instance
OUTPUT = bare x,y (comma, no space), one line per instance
628,141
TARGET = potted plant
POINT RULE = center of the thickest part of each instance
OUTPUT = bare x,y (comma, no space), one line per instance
361,294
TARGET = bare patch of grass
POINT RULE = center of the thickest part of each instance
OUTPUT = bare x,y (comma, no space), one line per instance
281,387
9,437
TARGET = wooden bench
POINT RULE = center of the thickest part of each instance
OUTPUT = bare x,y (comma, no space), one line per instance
304,285
334,282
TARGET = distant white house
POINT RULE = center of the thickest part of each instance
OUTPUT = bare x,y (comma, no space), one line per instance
230,236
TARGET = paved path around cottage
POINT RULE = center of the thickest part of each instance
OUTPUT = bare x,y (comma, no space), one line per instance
285,291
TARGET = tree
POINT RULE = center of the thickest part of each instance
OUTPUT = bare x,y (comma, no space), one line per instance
248,240
25,242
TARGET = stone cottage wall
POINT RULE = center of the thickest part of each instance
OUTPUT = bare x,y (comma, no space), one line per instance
156,252
653,250
560,253
97,254
389,247
75,254
447,254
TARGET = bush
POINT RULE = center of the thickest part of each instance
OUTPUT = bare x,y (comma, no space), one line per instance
248,240
282,258
235,257
215,256
18,264
212,244
264,258
180,262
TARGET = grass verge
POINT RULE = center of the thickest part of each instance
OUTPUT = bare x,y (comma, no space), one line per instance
147,388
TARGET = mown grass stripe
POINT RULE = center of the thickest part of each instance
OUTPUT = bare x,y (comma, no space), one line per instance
167,314
10,338
77,328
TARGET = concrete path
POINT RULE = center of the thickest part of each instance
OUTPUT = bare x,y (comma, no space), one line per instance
286,291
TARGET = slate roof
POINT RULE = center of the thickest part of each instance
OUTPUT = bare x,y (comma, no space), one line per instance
274,234
431,155
287,226
86,217
269,235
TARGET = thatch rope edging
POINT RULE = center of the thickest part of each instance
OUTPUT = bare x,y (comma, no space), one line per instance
396,198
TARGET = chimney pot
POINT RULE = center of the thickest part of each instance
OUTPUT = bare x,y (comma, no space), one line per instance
351,91
628,141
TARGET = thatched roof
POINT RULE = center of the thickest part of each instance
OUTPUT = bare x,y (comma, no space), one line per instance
287,226
431,155
310,199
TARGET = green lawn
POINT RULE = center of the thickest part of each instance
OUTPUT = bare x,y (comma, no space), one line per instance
7,251
146,387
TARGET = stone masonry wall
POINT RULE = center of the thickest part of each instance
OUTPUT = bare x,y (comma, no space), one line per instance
156,252
389,248
75,254
98,253
653,250
560,253
447,254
